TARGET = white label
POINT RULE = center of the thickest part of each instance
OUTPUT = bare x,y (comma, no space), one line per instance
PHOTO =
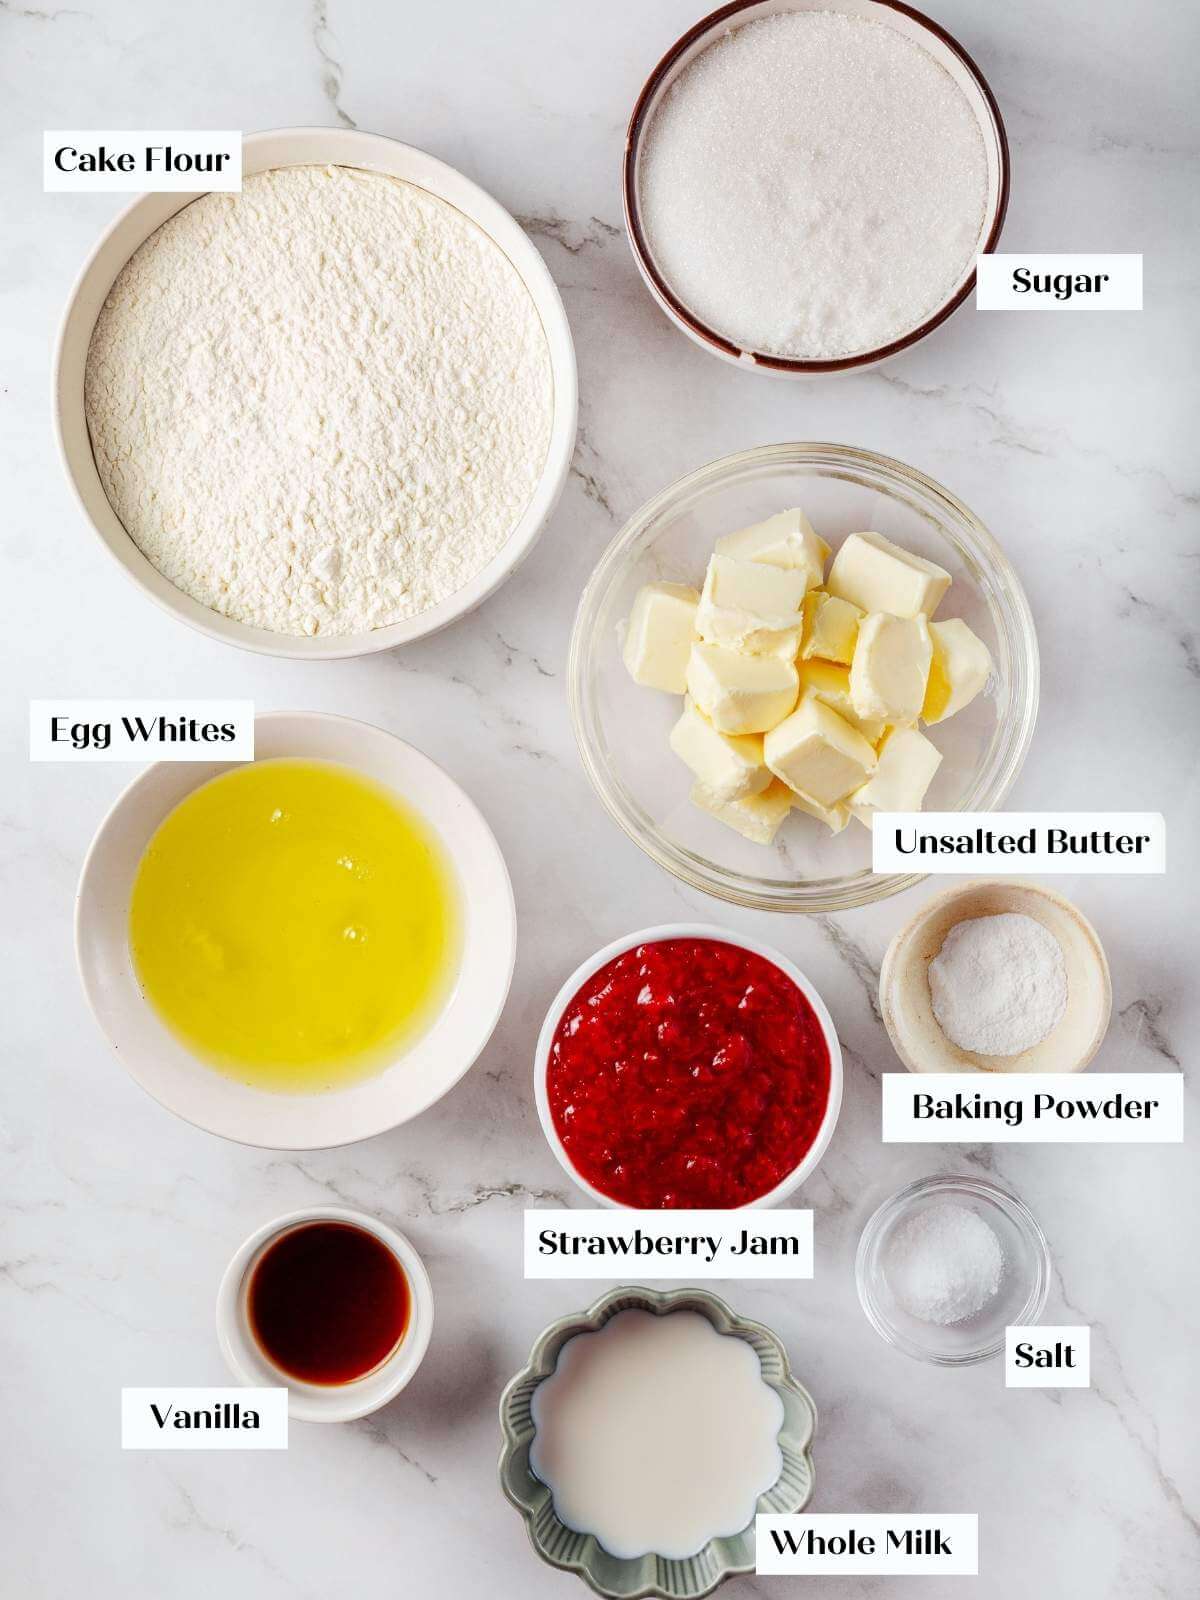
669,1244
111,161
840,1546
1033,1108
204,1419
1045,1357
1058,283
1017,842
141,730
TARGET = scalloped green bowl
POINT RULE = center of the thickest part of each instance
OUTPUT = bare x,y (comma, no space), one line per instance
631,1579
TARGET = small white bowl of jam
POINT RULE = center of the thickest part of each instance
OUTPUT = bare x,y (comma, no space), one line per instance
331,1304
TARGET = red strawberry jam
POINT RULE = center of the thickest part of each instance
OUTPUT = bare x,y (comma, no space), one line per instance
687,1073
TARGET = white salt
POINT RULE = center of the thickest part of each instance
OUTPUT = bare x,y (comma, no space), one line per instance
814,185
944,1263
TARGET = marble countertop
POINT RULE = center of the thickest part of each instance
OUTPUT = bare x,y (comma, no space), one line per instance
1069,434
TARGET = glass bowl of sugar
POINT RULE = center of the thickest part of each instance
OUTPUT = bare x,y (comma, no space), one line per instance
808,183
947,1264
622,727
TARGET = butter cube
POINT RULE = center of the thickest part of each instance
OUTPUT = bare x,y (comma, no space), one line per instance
890,669
875,574
835,817
740,693
729,766
830,627
818,754
659,637
748,605
907,763
785,540
754,816
960,668
829,681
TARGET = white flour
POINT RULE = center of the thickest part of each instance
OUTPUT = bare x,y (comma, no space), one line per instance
322,405
998,984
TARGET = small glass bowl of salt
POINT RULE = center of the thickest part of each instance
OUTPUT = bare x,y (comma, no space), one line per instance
947,1264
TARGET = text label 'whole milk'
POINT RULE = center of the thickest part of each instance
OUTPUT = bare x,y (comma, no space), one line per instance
830,1546
1033,1108
1019,841
669,1244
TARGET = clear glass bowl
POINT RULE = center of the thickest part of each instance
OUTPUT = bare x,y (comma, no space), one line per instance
1023,1287
622,728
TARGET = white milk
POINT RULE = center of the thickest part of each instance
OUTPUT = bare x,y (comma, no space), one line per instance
656,1434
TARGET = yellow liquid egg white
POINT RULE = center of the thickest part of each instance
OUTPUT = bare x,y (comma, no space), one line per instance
295,925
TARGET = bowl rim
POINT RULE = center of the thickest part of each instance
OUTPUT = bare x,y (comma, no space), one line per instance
718,344
659,1302
896,1205
350,147
147,1081
899,948
657,935
818,895
343,1402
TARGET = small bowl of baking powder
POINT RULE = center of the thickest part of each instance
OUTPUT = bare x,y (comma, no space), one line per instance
323,416
997,975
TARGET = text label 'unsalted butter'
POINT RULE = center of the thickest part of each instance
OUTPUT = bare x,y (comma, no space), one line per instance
830,1546
1033,1108
1018,842
171,1418
124,160
141,730
669,1244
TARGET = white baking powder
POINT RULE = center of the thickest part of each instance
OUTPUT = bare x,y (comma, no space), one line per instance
321,405
998,984
944,1263
814,185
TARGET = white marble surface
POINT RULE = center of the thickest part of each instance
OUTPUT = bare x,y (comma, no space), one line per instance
1071,435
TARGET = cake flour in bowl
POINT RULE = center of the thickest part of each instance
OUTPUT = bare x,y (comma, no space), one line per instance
327,414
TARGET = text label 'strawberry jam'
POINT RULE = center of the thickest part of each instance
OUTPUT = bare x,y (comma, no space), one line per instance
688,1073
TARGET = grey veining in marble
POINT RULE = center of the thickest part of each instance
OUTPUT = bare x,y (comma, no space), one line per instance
1073,437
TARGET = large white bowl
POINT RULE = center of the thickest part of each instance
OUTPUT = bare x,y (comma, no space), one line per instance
292,147
689,930
427,1067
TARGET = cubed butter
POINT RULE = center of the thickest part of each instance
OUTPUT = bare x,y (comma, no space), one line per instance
830,627
890,669
835,817
658,639
818,754
876,575
728,765
741,693
959,669
829,681
784,540
748,605
754,816
907,763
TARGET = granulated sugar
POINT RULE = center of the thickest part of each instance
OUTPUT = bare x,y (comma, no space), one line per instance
814,185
